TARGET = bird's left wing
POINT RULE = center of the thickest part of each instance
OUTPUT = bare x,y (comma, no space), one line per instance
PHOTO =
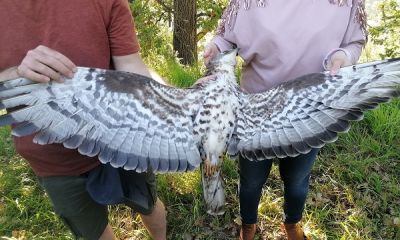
308,112
126,119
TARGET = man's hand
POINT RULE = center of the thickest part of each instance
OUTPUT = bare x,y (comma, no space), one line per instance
43,64
337,60
210,52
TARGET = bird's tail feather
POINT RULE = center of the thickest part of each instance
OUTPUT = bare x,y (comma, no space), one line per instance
213,192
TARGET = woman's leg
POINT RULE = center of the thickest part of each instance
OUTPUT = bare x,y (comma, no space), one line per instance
252,179
295,173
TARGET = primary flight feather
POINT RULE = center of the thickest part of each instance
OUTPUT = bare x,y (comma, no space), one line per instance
133,122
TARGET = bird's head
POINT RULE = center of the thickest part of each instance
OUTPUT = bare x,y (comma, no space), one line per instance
225,61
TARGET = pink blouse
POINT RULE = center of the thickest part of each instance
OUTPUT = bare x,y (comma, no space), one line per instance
286,39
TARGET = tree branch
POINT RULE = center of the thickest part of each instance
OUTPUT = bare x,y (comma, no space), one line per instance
165,6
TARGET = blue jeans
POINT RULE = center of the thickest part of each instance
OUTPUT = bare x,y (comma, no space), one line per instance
295,173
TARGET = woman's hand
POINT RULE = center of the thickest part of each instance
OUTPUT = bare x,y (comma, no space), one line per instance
205,79
337,60
210,52
43,64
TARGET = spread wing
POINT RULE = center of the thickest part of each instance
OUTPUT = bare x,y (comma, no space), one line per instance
126,119
308,112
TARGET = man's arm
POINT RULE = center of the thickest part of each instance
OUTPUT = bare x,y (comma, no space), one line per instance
134,63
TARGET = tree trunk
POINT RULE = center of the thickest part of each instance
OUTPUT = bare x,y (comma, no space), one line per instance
185,37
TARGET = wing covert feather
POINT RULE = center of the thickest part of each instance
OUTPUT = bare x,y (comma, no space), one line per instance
310,111
129,120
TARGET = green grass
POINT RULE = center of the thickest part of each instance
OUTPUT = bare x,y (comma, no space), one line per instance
354,191
24,209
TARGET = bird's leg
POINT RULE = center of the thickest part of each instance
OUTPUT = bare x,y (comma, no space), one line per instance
212,164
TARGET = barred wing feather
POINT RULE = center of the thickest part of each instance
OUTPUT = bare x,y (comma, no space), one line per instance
129,120
308,112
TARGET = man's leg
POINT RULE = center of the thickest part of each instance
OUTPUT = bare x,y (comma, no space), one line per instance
85,218
156,222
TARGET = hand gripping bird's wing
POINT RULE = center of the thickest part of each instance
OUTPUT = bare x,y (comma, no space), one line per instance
308,112
128,120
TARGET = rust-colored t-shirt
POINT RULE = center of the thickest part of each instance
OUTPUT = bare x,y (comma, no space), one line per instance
87,32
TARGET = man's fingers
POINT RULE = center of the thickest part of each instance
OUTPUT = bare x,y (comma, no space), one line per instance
32,75
43,64
68,64
45,70
56,65
33,62
66,61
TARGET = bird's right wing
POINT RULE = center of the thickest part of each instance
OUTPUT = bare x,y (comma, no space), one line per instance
308,112
128,120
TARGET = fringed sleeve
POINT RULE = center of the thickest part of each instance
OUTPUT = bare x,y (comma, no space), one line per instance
228,17
361,17
358,13
356,33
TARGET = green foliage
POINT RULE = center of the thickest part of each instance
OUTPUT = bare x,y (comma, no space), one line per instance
179,75
364,164
153,26
154,20
24,209
387,32
209,13
6,148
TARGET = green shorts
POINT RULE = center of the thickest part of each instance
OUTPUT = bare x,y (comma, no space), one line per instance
85,217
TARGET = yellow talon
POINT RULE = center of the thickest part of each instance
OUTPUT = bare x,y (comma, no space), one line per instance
209,168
